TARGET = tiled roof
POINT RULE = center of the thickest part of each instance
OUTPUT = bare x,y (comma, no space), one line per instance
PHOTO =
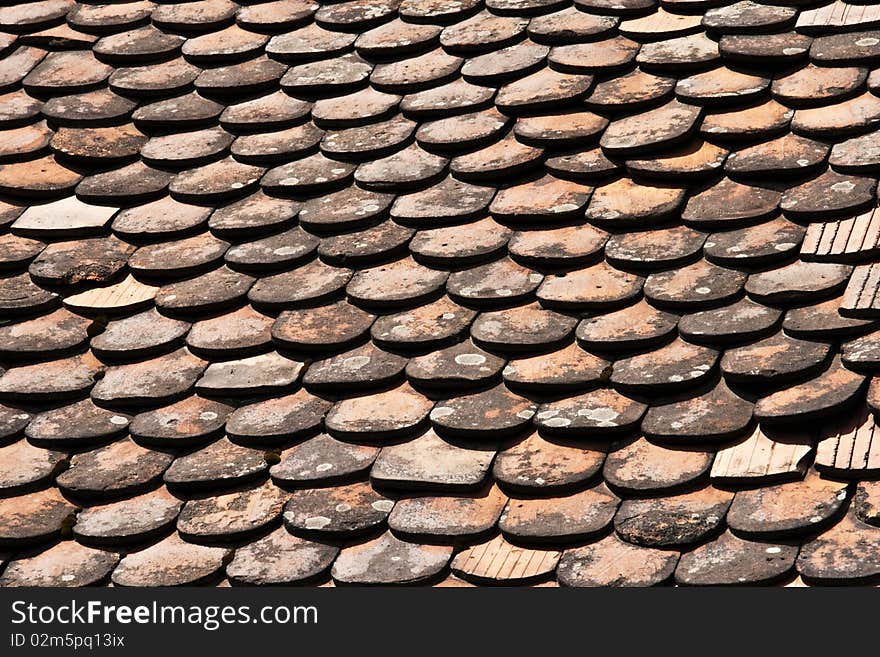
440,292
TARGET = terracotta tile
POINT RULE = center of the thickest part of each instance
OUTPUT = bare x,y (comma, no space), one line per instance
612,562
759,49
787,509
757,122
388,560
757,246
787,155
798,282
229,44
117,470
33,517
541,90
482,32
276,16
182,150
655,249
423,328
833,390
43,178
774,360
721,86
133,184
672,367
308,328
694,286
137,46
159,219
318,284
822,320
570,368
208,292
269,112
500,562
264,374
65,564
671,55
364,367
536,465
343,210
818,85
748,16
631,91
568,245
597,413
17,252
556,520
415,73
409,168
402,281
279,419
729,560
20,295
397,37
190,421
366,142
457,96
343,511
12,423
461,366
24,467
521,329
358,108
78,424
280,559
570,24
110,17
465,517
739,322
856,155
844,554
190,110
714,416
54,334
231,516
842,49
598,56
98,145
739,204
673,521
430,462
127,521
639,325
308,175
25,141
641,467
323,460
95,260
523,7
52,380
220,464
830,195
171,562
278,251
252,214
61,73
178,258
660,25
567,129
499,283
460,245
694,160
152,381
865,502
169,77
397,412
847,117
663,126
17,108
494,413
860,353
202,15
334,76
462,132
241,332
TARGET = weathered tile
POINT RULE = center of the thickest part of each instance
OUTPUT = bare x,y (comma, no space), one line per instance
117,470
278,419
23,466
597,413
612,562
231,516
459,518
322,460
844,554
62,565
78,424
341,511
388,560
675,366
491,414
536,465
190,421
673,521
171,562
380,416
363,367
127,521
729,560
150,382
569,368
714,416
642,467
280,559
221,463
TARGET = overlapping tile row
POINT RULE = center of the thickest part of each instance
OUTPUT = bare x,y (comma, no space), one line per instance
452,292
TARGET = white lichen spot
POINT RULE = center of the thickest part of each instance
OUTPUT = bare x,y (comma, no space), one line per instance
470,359
317,522
118,420
441,412
384,506
323,467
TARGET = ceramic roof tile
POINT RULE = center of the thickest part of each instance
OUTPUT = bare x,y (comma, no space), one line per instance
470,254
